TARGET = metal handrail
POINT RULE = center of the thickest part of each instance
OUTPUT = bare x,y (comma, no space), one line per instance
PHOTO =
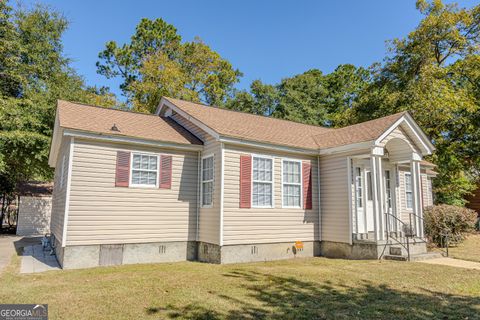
407,246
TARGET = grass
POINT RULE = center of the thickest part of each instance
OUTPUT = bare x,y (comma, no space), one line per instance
315,288
468,249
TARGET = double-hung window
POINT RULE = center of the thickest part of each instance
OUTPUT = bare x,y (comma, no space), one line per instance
408,191
207,181
144,170
292,183
262,174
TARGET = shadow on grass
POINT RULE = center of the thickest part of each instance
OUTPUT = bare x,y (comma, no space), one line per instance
276,297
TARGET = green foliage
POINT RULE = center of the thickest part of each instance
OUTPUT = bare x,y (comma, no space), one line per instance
156,63
34,73
310,97
447,219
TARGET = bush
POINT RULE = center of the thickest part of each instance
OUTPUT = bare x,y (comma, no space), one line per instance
452,220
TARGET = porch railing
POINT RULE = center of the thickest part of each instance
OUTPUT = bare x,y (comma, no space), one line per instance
405,228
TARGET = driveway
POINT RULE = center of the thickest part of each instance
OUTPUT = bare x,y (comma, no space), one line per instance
7,249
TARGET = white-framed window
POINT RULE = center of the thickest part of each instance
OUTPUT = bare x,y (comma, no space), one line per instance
408,190
144,170
291,183
262,180
207,181
388,190
358,187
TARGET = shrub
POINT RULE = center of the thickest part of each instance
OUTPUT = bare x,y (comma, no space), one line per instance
446,219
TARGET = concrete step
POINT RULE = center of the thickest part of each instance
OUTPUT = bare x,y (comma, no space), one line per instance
414,257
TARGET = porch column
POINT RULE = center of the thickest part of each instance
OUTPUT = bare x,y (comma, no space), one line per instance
378,193
417,195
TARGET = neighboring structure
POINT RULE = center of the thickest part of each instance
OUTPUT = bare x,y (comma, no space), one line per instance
34,208
202,183
474,200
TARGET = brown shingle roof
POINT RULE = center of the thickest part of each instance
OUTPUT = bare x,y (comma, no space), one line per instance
356,133
253,127
132,124
282,132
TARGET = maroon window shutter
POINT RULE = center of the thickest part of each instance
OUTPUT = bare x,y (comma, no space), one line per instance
245,181
307,185
122,172
165,181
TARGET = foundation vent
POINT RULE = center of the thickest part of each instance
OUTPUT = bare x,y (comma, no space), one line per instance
254,250
205,249
162,249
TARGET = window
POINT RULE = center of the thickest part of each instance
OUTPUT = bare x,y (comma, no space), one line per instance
292,183
144,170
207,181
388,189
408,191
358,188
262,193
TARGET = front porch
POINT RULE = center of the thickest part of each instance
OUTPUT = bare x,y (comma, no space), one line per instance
386,200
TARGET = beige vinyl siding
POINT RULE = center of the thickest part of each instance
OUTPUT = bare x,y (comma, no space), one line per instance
266,225
334,198
398,150
427,196
101,213
209,221
209,218
60,190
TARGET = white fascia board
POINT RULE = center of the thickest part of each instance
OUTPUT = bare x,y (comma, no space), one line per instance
418,132
262,145
348,148
201,125
129,140
55,143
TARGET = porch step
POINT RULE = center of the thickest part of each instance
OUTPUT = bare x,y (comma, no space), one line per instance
414,257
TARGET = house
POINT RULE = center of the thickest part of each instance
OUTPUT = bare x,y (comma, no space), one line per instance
194,182
34,208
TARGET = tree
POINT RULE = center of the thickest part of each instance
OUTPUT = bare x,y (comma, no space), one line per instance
310,97
155,63
433,73
34,73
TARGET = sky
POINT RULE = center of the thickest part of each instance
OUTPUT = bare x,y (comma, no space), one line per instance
265,39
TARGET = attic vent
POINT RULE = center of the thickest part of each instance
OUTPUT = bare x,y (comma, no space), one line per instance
115,128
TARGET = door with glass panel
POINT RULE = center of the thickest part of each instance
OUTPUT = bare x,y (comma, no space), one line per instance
360,199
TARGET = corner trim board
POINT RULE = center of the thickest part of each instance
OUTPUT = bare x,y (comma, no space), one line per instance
67,192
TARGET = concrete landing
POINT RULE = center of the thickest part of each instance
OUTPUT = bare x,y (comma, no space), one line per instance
454,263
35,259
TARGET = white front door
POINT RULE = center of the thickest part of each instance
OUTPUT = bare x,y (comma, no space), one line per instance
360,199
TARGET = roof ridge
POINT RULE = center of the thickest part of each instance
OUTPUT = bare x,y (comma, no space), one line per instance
250,114
106,108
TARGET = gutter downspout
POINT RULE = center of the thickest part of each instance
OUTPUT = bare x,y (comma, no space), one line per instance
319,201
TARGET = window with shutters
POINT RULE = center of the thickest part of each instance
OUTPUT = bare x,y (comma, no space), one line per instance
408,190
291,183
262,177
144,170
207,181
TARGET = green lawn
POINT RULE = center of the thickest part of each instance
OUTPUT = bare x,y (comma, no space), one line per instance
315,288
467,250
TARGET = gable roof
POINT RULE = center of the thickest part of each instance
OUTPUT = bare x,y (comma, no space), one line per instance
251,127
95,119
361,132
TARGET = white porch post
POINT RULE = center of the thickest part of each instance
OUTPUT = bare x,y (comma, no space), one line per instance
417,194
377,192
